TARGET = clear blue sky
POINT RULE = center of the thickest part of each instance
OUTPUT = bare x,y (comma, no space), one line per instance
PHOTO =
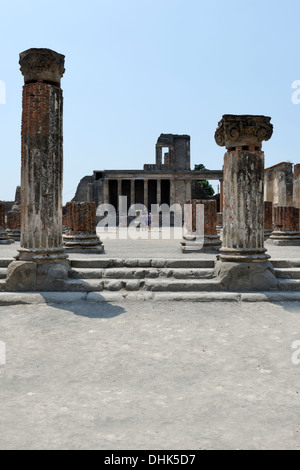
137,68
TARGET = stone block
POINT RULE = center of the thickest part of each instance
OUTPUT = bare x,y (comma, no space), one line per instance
21,275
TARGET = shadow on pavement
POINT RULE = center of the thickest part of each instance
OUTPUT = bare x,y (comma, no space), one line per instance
101,309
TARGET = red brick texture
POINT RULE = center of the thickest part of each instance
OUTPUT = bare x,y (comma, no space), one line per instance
210,215
286,219
268,215
14,220
2,216
81,217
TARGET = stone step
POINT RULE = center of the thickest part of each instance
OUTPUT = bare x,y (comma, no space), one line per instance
140,273
3,273
142,263
287,273
98,285
289,284
285,263
4,262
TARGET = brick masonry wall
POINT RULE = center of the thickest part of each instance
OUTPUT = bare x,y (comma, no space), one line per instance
2,216
286,218
268,215
14,220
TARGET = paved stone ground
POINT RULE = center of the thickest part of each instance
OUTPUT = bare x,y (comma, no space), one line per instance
168,249
142,376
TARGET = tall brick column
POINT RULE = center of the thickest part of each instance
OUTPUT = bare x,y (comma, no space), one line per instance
81,221
41,173
268,218
286,226
211,242
243,262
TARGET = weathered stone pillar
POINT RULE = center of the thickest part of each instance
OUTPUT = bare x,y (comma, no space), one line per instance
119,191
172,192
297,186
220,223
42,259
146,193
158,192
132,192
188,193
221,195
243,262
4,238
269,185
105,191
158,157
268,218
211,242
286,226
82,237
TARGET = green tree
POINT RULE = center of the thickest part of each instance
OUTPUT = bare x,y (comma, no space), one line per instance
204,183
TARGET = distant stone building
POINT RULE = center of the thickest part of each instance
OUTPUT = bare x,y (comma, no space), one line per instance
282,184
169,181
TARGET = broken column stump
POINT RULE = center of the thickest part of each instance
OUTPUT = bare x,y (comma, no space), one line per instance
286,226
4,238
243,263
42,261
194,241
268,219
82,236
14,224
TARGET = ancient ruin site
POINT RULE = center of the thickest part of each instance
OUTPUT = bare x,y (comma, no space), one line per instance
245,244
150,229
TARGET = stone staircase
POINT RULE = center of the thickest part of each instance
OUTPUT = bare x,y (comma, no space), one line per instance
156,275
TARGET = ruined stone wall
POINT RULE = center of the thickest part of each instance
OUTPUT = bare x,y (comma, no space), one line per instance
297,186
279,183
182,153
83,192
180,192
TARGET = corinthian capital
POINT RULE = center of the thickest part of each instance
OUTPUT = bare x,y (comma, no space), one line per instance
42,65
243,130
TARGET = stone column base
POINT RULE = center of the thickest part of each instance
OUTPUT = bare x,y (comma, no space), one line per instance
268,232
243,255
5,239
211,244
285,238
14,234
38,255
241,277
83,244
33,276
